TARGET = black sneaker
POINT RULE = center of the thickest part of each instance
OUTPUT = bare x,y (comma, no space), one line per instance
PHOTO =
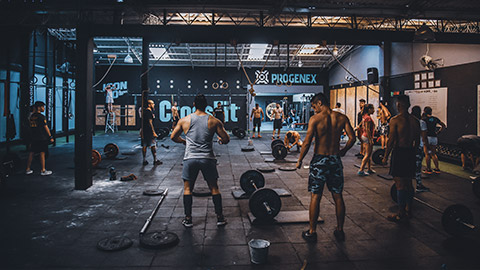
221,221
187,222
309,237
145,162
422,188
339,235
358,154
157,162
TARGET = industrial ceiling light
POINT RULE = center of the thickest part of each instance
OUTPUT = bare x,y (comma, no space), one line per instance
128,59
300,63
424,34
335,50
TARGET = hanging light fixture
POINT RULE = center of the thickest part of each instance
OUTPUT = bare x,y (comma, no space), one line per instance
335,50
128,59
300,63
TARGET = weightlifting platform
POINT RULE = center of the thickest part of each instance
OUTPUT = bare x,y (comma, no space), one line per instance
240,194
287,217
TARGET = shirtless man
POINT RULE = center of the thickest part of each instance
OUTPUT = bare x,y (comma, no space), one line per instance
278,118
326,166
199,128
175,115
403,140
258,116
383,117
293,137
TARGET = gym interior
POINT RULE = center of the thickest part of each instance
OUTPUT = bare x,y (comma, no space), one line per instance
79,191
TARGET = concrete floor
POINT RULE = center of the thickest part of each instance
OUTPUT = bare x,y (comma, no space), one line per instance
46,224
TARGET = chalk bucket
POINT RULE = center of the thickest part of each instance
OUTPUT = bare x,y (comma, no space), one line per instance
258,250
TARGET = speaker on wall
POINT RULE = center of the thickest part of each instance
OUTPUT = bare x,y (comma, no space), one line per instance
372,75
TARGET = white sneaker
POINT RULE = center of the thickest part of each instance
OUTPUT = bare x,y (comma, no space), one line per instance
45,173
28,172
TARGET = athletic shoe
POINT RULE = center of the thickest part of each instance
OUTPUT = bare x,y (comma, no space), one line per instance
221,221
371,172
259,136
187,222
253,136
358,155
339,235
422,188
157,162
426,171
309,237
28,172
45,173
145,162
362,173
436,171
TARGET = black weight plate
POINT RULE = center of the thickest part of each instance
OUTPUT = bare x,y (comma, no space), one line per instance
167,131
234,131
266,170
114,243
161,134
248,149
257,203
111,150
452,214
274,142
476,187
393,192
241,133
287,168
279,151
153,192
159,240
96,158
251,176
377,156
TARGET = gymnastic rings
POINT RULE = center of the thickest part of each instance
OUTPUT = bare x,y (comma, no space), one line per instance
215,85
45,80
277,84
72,84
34,80
287,83
224,85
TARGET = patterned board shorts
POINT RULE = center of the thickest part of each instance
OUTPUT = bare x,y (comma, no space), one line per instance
325,169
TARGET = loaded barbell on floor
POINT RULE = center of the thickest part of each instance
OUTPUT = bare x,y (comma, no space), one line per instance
239,132
457,219
377,156
110,151
162,132
264,203
279,151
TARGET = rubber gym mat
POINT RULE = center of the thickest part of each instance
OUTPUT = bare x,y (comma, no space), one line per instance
285,217
240,194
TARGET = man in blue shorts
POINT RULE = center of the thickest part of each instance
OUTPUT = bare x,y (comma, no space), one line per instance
199,128
326,126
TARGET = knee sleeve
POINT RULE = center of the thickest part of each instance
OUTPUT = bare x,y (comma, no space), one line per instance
187,204
217,202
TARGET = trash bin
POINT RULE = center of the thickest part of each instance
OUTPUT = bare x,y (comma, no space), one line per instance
258,250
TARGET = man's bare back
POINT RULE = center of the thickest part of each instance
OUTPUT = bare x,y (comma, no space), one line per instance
405,131
328,126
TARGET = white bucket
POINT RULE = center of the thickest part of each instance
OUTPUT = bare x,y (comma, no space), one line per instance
258,250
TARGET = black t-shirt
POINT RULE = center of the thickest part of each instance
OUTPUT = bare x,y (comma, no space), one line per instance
218,113
147,116
359,118
432,122
37,127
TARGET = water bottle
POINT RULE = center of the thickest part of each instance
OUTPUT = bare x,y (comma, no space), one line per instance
113,173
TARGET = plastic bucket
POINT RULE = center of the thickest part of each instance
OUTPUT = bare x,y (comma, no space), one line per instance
258,250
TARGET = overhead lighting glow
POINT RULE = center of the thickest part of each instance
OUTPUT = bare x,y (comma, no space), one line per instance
257,51
308,49
157,52
128,59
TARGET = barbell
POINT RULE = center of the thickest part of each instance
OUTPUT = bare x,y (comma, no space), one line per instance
279,151
110,151
239,132
264,203
457,219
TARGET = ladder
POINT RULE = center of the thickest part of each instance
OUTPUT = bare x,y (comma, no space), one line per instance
110,123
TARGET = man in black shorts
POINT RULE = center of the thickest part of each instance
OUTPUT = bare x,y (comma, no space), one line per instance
257,114
326,166
219,113
148,133
199,128
403,142
40,138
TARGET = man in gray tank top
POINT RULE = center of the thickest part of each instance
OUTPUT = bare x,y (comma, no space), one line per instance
199,128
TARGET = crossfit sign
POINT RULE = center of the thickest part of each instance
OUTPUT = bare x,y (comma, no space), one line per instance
165,107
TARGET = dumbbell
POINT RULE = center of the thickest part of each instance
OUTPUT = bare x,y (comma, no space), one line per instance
457,219
279,151
264,203
110,151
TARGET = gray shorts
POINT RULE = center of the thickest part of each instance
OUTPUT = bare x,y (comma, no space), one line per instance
208,166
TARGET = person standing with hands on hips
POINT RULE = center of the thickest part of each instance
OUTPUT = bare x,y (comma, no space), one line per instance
40,138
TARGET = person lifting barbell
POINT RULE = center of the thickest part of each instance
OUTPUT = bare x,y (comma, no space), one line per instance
294,138
148,134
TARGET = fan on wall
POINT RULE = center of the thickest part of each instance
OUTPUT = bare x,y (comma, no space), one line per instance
428,62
